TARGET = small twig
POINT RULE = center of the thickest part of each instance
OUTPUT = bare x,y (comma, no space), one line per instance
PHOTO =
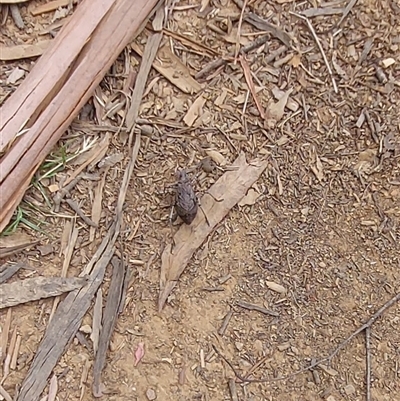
4,394
329,358
250,84
321,49
205,216
346,12
260,23
74,206
232,390
237,45
220,62
368,360
255,367
59,196
246,305
225,323
16,16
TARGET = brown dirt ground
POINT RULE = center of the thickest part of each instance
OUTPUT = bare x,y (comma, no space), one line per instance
326,226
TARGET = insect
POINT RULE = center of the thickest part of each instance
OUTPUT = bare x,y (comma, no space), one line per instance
186,202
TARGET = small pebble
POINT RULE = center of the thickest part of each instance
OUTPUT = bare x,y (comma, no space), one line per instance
349,389
151,394
239,346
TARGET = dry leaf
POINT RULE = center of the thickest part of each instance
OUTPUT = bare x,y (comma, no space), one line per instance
32,289
225,194
368,155
276,110
172,68
15,243
23,51
53,388
279,94
338,68
388,62
139,353
250,198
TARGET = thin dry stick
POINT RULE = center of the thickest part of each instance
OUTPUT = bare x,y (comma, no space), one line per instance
220,62
237,45
4,394
346,11
250,84
321,49
329,358
368,360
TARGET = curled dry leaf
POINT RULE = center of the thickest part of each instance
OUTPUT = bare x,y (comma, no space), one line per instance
139,353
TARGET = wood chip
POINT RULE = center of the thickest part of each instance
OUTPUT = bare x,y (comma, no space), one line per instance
17,52
15,243
51,6
275,287
194,111
113,301
36,288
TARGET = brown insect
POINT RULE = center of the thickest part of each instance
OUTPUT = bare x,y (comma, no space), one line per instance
186,202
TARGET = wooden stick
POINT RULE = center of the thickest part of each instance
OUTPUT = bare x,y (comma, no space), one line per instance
321,49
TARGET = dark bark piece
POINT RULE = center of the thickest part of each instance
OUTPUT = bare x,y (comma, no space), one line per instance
64,325
36,288
186,203
7,271
110,315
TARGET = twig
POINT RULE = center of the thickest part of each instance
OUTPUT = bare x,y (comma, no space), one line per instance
237,45
250,84
59,196
259,23
110,316
232,390
321,49
368,360
225,323
220,62
314,364
74,206
346,12
246,305
4,394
